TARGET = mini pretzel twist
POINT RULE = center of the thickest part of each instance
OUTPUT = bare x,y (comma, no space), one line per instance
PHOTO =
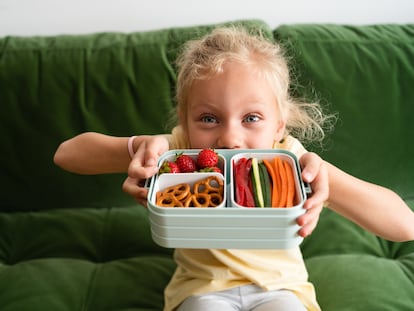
209,185
173,196
203,200
207,193
215,199
169,200
180,191
198,200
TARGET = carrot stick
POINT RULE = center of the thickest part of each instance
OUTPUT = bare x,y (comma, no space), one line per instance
283,183
272,174
278,181
290,184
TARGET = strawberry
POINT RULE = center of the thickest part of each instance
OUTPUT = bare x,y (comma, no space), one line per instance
211,169
207,158
185,163
169,167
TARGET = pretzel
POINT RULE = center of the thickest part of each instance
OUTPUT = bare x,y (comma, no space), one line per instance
209,185
168,200
207,192
180,191
198,200
215,199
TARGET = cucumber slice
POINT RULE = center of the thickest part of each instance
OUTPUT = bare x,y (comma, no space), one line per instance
257,187
266,185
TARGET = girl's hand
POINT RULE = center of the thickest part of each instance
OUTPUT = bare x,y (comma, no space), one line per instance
314,172
143,166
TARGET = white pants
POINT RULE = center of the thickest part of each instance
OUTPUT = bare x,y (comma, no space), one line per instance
244,298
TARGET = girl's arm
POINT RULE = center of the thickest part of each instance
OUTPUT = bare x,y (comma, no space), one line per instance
375,208
95,153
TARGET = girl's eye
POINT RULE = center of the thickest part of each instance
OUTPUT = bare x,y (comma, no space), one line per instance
208,119
252,118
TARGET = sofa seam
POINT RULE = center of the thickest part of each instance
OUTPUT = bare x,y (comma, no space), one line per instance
87,301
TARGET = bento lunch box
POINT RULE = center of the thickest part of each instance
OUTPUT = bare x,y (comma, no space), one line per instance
228,225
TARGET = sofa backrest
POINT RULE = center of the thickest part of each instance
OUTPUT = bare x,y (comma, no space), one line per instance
366,74
53,88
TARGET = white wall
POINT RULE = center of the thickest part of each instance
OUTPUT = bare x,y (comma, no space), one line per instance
49,17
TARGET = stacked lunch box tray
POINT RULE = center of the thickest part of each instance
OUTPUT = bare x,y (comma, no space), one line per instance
227,225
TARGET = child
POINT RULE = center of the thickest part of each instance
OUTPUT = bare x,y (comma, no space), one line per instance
232,92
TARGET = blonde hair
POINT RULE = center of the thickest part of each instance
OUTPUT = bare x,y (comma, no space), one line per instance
204,58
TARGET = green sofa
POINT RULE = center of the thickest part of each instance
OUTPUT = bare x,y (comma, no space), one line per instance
72,242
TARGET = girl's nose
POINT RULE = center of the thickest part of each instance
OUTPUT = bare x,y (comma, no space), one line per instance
229,138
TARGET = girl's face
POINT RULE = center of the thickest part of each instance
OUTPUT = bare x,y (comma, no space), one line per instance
235,109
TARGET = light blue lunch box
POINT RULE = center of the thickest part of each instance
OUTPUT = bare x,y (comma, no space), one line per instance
228,225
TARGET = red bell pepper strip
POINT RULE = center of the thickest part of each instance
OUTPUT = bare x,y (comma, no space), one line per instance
238,180
243,192
248,189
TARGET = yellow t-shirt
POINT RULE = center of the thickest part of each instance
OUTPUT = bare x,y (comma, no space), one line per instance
207,270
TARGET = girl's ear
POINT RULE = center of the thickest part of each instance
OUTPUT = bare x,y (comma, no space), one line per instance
280,131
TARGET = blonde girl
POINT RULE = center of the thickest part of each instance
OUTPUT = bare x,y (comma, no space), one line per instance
233,92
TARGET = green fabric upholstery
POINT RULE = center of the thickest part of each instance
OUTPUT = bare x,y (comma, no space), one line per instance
365,74
57,87
70,242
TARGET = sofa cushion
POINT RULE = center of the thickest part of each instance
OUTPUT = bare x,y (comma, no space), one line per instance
365,73
53,88
73,259
354,270
71,242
